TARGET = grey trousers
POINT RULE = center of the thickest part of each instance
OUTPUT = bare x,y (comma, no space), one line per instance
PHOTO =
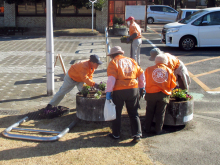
130,98
156,107
135,50
67,86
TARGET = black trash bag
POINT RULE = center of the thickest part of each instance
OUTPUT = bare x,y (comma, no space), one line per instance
52,112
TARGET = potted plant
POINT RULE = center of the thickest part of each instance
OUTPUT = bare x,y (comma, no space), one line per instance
179,111
124,39
98,94
118,27
180,95
102,86
85,90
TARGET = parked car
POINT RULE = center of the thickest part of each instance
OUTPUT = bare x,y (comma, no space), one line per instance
161,13
183,13
201,29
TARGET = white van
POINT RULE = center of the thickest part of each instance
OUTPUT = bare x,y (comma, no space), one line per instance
202,28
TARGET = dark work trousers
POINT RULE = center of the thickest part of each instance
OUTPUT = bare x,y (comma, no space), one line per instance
156,107
130,98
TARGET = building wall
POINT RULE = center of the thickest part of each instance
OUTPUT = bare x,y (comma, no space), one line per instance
9,15
75,22
62,22
10,19
31,21
102,18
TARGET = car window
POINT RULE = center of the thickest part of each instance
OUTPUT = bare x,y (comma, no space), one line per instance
156,8
169,10
192,16
211,19
188,13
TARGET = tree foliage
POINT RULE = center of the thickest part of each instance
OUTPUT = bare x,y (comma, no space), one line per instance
65,3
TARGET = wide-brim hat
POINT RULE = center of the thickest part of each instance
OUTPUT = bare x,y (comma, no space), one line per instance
116,50
129,18
154,52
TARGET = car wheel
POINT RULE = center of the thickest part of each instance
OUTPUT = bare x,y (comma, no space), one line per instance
150,20
187,43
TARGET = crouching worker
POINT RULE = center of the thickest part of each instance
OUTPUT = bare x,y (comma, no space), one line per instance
176,66
160,81
123,87
78,74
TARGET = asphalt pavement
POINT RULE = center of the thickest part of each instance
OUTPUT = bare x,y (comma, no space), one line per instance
23,89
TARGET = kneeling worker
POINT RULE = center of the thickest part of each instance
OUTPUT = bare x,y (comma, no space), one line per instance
78,74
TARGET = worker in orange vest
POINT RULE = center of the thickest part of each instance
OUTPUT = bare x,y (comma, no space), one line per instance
135,37
177,66
123,87
78,74
160,80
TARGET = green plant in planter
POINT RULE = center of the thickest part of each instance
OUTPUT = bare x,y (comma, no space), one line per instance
118,21
98,94
180,95
102,86
85,90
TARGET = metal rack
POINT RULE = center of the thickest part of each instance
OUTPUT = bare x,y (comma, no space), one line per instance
58,135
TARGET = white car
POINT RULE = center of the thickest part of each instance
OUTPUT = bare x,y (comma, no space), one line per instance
201,29
160,13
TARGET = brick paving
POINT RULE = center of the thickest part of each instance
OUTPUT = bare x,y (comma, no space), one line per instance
23,85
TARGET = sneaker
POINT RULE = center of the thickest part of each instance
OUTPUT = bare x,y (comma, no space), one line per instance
113,136
136,139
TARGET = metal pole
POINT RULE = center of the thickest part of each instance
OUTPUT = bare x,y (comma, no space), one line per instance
92,14
49,49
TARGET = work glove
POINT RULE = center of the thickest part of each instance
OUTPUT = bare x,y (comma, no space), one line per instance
109,95
142,92
96,86
128,39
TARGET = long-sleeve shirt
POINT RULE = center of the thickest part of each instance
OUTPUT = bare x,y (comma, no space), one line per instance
82,72
159,78
123,73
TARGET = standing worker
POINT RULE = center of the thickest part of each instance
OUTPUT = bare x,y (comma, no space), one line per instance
135,36
176,66
160,81
123,87
78,74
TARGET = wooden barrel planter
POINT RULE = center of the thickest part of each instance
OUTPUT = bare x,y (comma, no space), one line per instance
179,112
89,108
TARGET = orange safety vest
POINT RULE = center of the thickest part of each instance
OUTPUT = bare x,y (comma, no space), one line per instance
125,70
82,72
134,29
173,62
159,78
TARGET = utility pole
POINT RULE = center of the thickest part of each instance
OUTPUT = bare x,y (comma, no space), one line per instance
49,48
92,1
